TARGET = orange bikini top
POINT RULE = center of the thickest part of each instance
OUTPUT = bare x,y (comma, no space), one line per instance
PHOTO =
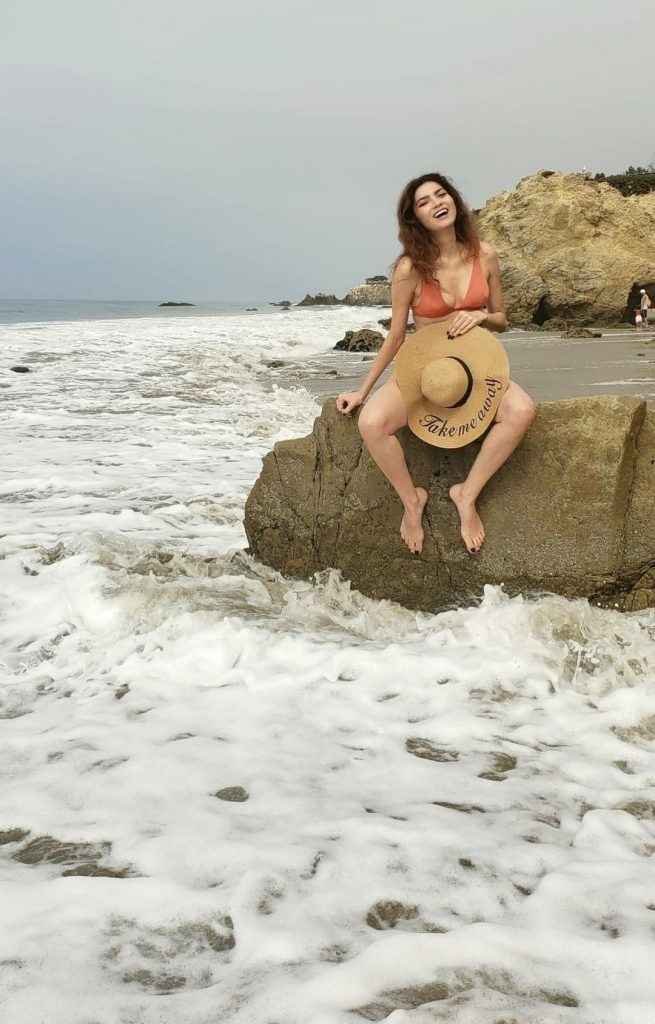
431,303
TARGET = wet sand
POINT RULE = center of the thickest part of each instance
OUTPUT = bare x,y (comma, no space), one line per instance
548,366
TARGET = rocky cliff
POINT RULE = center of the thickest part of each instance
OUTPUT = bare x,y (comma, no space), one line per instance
569,247
572,512
376,292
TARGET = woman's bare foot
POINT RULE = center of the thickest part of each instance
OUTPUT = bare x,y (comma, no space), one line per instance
471,526
411,526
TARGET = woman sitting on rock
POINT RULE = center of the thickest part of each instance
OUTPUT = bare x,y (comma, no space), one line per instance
446,389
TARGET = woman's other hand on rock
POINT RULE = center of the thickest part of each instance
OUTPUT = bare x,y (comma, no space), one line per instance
349,401
465,320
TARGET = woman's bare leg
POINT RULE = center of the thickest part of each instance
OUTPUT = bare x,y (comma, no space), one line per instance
381,417
515,414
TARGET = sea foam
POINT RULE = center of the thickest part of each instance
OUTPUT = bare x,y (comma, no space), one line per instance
419,817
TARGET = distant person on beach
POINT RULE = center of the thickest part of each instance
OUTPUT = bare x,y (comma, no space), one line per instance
447,277
644,306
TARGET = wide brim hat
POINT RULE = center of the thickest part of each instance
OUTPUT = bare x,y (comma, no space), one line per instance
452,387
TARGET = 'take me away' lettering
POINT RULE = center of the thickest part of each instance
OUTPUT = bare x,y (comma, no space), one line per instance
439,426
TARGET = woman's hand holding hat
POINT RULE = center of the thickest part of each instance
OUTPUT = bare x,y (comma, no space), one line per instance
451,387
464,320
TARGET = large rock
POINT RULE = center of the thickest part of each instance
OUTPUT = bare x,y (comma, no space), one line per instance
375,292
572,512
570,247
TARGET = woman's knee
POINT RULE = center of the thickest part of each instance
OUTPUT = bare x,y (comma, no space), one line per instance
383,414
527,411
371,424
520,409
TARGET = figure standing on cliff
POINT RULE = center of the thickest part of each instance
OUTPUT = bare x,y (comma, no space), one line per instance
644,306
446,276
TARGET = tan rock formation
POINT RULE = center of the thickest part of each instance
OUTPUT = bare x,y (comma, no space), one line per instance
569,247
572,512
373,293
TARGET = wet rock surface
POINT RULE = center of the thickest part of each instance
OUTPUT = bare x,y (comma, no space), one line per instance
84,858
45,849
168,958
424,748
233,794
364,340
502,992
12,835
387,914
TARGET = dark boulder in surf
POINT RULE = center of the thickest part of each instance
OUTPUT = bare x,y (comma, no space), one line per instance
360,341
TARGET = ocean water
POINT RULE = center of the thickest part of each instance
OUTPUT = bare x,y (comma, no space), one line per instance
419,817
16,311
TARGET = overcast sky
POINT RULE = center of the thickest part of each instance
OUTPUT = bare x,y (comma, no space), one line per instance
256,149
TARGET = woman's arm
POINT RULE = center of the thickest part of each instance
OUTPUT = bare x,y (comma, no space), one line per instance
403,285
496,318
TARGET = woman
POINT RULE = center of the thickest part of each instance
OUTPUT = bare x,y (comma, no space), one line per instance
445,273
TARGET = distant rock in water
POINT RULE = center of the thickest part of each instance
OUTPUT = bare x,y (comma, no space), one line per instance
20,369
374,293
360,341
177,303
570,248
284,304
251,309
571,512
320,300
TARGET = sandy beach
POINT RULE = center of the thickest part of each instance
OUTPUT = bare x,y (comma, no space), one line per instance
549,367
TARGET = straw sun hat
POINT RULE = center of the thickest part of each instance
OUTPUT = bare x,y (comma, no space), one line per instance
452,387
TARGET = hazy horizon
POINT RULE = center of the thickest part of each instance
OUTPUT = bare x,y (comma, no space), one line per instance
214,155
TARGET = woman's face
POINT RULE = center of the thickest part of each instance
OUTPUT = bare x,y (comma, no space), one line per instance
434,207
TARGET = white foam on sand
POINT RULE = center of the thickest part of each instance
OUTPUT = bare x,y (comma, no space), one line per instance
481,780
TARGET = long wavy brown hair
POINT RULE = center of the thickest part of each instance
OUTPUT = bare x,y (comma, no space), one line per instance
416,241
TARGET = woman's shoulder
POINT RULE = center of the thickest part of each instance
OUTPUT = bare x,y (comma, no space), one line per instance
487,250
404,270
489,258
